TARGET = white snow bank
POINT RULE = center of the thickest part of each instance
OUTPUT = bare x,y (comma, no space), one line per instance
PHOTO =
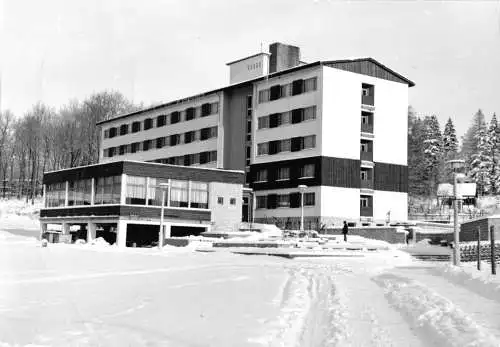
20,207
436,318
467,275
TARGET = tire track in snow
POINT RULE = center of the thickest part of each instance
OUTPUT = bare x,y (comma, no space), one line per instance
436,319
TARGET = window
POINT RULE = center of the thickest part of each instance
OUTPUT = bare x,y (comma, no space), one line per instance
309,141
364,175
214,108
148,123
263,122
111,152
207,133
310,84
364,202
365,91
160,142
249,102
79,192
212,156
107,190
307,171
146,145
161,121
297,87
309,199
112,132
190,113
122,149
55,194
309,113
175,139
232,201
135,147
124,129
261,176
283,200
155,191
275,92
285,145
220,200
284,118
175,117
283,173
264,96
249,126
199,195
284,90
263,148
205,110
179,193
136,127
106,133
189,137
261,201
136,190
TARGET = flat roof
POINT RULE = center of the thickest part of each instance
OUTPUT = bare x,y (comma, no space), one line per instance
145,169
257,79
251,56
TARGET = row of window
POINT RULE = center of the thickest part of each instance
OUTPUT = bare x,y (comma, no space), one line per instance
163,120
283,173
290,117
139,191
160,142
281,91
190,159
291,200
294,144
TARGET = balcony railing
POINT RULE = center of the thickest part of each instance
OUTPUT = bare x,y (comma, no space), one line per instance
366,211
367,128
367,100
368,156
367,184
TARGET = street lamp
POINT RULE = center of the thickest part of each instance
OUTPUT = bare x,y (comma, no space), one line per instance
164,188
302,189
456,166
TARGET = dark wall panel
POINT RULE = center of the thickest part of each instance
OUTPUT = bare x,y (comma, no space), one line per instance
391,177
134,212
340,172
103,170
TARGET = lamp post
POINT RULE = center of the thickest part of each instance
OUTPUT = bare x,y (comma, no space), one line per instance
456,166
164,188
302,189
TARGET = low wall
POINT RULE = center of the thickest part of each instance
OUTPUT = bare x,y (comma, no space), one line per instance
468,252
387,234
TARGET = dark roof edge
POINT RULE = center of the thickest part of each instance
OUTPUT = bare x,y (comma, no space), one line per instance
250,56
239,84
409,82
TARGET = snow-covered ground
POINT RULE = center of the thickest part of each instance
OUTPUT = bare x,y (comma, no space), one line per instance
83,295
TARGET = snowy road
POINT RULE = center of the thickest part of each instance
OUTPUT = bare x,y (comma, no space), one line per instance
68,295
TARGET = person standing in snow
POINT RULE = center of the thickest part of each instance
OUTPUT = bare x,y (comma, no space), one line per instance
345,230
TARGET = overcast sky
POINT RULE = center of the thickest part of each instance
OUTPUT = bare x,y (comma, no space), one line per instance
155,51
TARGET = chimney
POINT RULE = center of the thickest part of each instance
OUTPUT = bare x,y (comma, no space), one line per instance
283,57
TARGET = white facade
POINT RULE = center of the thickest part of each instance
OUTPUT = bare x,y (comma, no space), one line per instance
249,68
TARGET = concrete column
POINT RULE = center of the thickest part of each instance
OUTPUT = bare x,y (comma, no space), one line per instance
65,228
43,229
167,230
92,191
123,192
91,231
121,234
66,197
44,203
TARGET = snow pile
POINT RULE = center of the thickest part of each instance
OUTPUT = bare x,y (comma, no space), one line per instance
20,207
481,282
437,318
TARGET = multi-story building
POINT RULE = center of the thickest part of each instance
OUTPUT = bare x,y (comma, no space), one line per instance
339,127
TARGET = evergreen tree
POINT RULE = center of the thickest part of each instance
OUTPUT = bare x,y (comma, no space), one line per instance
433,150
416,162
481,163
450,142
470,140
450,150
494,145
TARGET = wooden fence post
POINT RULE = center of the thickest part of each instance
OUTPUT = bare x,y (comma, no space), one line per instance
479,248
492,243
